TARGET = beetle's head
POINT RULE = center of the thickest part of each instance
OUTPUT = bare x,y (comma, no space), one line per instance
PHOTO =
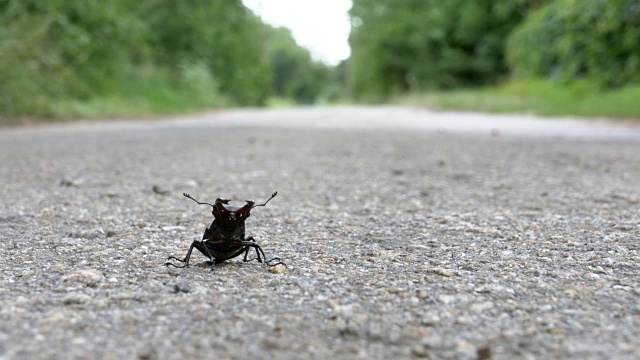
230,213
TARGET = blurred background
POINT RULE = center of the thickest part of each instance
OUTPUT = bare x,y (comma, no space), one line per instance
64,59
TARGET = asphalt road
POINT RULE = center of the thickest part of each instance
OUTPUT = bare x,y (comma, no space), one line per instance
407,234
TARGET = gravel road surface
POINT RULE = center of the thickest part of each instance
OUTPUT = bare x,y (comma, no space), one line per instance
407,234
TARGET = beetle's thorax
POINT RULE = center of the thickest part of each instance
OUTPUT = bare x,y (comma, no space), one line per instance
222,232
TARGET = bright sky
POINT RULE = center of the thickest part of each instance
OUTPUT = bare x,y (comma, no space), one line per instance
322,26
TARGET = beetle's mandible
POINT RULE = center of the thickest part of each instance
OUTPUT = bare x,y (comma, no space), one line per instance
225,238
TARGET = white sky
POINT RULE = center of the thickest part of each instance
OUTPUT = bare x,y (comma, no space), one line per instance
322,26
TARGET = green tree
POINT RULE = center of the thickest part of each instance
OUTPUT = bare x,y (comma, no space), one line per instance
296,74
398,46
221,33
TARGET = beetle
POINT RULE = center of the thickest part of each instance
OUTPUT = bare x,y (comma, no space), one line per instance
225,238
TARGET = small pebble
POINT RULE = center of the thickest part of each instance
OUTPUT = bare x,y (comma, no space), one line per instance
75,299
278,269
159,190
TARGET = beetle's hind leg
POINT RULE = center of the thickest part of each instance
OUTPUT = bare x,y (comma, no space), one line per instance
279,262
249,243
185,260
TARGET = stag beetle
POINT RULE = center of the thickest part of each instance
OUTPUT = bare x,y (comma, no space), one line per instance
224,238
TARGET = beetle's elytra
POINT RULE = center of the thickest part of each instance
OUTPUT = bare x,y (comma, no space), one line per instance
225,238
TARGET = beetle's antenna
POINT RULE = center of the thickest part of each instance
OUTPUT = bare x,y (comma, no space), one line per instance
200,203
265,203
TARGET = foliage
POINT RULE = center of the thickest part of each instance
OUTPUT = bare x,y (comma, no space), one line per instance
573,39
51,50
337,89
221,33
91,58
420,44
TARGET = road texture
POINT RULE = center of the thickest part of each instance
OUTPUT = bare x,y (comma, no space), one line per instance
407,234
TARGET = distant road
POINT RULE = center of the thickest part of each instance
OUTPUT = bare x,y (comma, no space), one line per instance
384,117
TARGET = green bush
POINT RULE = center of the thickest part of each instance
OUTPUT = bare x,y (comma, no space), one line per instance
574,39
51,50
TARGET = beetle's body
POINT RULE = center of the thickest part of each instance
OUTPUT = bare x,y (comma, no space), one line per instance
222,246
225,238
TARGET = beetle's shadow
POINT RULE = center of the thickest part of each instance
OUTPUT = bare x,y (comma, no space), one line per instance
201,264
209,264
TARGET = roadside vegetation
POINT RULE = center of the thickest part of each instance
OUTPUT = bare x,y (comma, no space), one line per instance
548,57
62,59
539,97
91,58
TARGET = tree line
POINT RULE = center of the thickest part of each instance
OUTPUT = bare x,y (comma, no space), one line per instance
65,58
415,45
162,53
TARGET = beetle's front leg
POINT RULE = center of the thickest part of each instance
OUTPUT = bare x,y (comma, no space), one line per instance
204,249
